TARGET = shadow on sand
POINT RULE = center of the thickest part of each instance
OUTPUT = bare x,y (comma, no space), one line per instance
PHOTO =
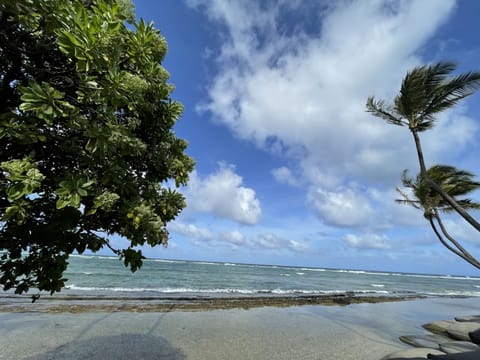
119,347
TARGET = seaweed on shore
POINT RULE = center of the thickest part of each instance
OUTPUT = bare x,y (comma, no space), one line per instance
162,304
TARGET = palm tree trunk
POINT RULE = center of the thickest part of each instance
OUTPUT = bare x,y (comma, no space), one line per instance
454,242
418,146
449,247
423,171
442,240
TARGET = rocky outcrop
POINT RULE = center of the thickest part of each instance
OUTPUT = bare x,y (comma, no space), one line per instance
456,339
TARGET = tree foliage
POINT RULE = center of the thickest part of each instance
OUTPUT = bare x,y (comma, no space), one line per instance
457,184
86,139
425,92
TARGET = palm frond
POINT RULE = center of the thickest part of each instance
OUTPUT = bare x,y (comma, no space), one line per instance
387,113
412,203
426,90
419,85
446,95
467,204
436,74
406,199
453,181
407,181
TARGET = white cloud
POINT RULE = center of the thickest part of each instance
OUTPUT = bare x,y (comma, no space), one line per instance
298,246
234,237
302,93
222,194
284,176
344,207
190,230
368,241
271,241
454,130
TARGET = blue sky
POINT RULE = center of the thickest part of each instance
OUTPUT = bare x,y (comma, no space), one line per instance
291,170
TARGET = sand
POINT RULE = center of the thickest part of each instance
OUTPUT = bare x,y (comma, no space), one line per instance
358,331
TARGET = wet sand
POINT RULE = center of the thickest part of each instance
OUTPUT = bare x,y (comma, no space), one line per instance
357,331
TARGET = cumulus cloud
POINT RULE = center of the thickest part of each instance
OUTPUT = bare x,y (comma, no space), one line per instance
344,207
298,246
234,237
269,241
190,230
272,241
223,194
284,176
454,129
368,241
300,90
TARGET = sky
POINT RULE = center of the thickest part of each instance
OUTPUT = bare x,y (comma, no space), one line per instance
290,168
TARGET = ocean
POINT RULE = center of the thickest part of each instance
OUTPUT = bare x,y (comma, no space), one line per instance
107,276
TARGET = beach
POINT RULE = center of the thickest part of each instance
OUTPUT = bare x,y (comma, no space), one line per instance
175,309
357,331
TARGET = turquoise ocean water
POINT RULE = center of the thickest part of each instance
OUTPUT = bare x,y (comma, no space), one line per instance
106,276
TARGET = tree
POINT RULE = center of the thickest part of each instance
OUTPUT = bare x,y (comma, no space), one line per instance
455,183
86,137
426,91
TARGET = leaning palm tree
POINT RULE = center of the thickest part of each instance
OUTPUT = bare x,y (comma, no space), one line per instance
456,183
426,91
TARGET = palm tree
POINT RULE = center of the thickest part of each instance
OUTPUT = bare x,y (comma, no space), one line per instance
426,91
455,183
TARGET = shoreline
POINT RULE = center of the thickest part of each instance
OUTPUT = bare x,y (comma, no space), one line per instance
82,304
361,331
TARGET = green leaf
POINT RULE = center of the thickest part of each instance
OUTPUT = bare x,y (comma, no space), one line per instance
61,203
10,212
75,200
133,258
82,192
16,191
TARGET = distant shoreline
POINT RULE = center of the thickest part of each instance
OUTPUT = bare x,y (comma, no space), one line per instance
80,304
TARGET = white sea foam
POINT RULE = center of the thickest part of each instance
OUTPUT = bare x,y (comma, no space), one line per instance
220,290
207,263
377,285
313,269
427,276
352,271
454,293
167,261
94,257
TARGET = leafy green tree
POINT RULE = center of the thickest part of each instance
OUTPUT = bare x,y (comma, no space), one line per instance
86,137
456,183
425,92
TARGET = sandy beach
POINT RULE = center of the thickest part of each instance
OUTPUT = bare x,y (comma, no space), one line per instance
357,331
